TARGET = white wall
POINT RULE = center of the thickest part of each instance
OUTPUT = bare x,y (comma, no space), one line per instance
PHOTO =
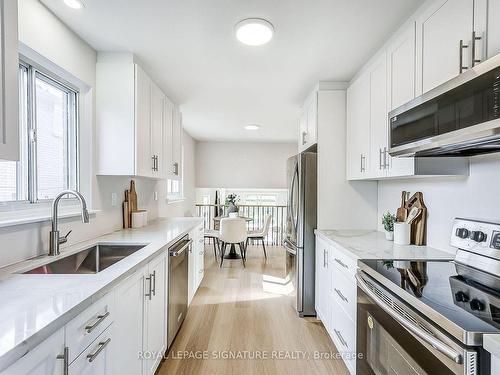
43,33
242,165
476,196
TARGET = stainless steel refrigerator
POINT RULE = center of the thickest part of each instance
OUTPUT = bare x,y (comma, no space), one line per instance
300,225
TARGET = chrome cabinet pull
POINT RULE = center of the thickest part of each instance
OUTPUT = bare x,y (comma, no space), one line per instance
361,163
154,163
473,51
153,289
386,158
98,321
342,297
99,349
341,263
462,46
304,138
324,257
149,294
342,341
65,358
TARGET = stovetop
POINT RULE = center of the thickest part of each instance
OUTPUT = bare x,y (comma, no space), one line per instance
448,288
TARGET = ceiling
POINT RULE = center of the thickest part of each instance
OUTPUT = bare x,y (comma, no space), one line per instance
188,47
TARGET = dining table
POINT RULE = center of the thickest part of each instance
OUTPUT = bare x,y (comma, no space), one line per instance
232,252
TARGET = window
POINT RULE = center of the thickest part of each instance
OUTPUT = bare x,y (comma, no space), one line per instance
49,140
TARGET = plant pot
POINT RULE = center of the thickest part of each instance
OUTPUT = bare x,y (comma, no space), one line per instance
389,236
232,208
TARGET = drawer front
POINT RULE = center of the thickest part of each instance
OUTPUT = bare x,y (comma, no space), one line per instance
96,359
86,327
343,332
343,262
344,290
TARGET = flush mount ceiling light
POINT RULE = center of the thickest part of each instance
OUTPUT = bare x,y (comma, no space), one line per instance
74,4
254,31
252,127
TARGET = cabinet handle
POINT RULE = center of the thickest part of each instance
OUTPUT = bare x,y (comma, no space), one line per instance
154,163
98,321
157,163
175,168
149,294
201,271
386,158
473,51
380,166
362,163
342,297
153,289
462,46
324,257
341,263
342,341
65,358
100,348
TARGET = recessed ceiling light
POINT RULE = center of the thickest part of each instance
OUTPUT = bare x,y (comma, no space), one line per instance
254,31
252,127
75,4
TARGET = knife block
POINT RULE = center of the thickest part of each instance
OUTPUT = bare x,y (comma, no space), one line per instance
418,235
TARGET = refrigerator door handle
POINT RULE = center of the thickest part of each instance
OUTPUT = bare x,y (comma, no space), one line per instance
292,190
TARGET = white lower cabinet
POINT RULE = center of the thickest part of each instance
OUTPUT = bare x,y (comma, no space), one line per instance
96,358
336,298
196,261
42,360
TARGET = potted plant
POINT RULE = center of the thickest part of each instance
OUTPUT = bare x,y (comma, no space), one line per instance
388,221
231,203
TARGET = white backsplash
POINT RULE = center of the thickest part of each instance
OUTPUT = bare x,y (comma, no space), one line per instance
476,196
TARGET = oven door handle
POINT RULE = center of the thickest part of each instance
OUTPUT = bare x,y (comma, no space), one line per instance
431,340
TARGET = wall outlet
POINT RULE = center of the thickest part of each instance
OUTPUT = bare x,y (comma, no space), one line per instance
114,199
155,195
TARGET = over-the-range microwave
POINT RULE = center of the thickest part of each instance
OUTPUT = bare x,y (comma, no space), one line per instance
458,118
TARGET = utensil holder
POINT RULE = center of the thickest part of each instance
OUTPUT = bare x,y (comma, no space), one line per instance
139,218
402,233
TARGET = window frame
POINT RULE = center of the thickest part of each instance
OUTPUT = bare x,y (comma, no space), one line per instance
35,72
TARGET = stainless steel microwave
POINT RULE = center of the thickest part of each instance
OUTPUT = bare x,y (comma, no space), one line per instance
458,118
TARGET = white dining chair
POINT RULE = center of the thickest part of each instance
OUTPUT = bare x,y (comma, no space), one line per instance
233,231
260,234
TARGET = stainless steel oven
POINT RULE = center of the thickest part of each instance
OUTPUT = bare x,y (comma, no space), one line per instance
393,339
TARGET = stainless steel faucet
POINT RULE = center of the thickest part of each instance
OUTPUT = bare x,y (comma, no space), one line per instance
55,240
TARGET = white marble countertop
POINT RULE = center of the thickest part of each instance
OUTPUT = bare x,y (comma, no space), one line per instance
370,244
35,306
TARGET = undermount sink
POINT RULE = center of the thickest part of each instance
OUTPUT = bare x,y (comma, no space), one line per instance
91,260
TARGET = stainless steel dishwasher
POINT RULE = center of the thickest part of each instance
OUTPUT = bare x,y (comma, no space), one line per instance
177,286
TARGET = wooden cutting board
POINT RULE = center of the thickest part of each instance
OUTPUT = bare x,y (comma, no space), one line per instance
419,225
402,212
132,197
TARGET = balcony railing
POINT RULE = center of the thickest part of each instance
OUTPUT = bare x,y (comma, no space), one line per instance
257,213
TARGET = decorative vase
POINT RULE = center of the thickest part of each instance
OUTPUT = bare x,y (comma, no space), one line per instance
232,208
389,236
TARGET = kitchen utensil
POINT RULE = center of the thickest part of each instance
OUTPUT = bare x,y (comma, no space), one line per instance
126,215
133,196
401,211
414,213
418,225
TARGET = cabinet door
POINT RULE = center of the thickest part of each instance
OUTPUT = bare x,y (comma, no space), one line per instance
144,160
9,67
157,104
177,142
155,322
401,78
440,30
378,117
200,259
323,283
128,325
493,33
312,120
96,358
358,127
303,130
168,128
192,268
42,360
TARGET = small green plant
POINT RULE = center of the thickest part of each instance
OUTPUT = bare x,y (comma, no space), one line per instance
232,199
388,221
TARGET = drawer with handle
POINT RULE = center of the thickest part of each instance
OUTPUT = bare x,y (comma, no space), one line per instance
86,327
344,292
343,262
343,333
95,359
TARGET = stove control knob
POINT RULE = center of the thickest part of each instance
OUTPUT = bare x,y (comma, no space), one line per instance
477,236
476,305
461,297
462,233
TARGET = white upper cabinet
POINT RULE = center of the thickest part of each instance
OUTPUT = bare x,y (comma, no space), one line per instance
445,44
9,66
308,122
358,127
177,142
157,132
493,39
144,157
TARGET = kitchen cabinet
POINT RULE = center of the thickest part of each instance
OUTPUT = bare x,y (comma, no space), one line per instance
308,122
42,360
173,139
130,119
196,260
128,324
445,43
96,358
9,67
493,28
155,296
322,283
358,127
200,256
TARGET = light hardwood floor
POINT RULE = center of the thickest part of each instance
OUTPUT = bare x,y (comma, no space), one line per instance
247,313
